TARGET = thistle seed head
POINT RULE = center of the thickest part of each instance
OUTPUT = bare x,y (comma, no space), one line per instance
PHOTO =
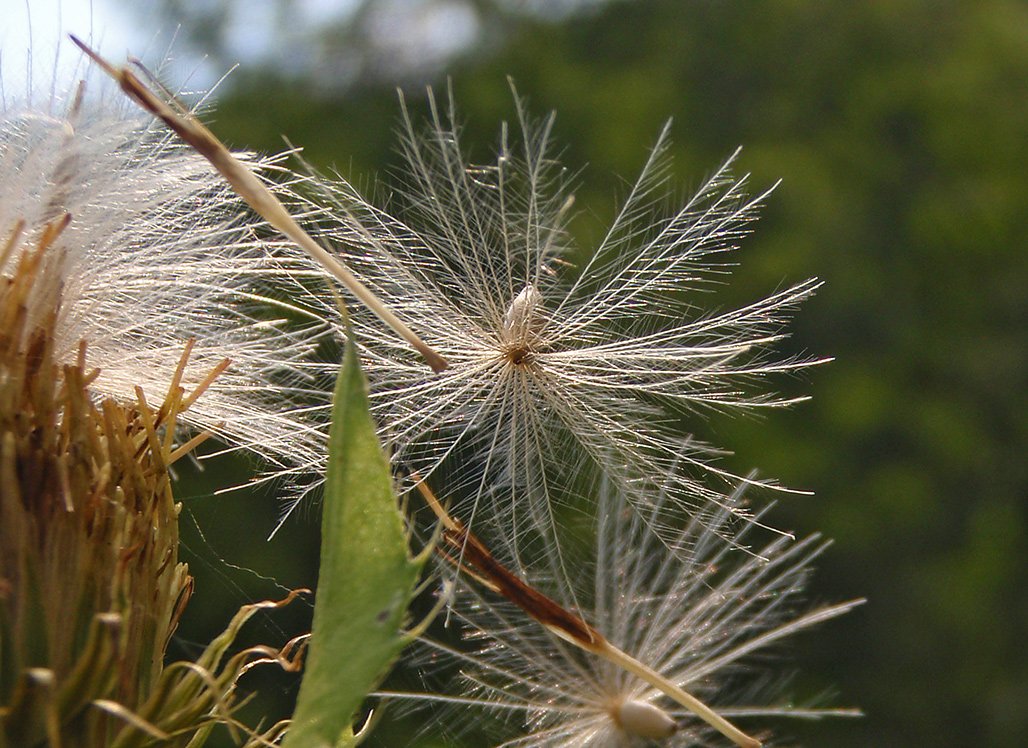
126,279
553,369
706,625
157,252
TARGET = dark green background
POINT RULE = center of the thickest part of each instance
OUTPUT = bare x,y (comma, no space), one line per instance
900,130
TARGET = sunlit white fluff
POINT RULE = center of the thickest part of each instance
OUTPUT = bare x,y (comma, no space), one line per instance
710,624
158,251
552,367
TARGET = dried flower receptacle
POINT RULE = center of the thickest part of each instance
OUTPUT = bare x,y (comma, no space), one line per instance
124,287
91,588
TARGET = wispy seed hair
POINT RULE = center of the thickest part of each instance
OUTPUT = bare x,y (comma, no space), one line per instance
157,252
710,624
552,367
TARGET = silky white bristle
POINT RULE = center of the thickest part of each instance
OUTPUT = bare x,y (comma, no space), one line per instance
158,252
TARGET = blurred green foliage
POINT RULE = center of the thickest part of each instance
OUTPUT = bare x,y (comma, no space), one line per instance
900,129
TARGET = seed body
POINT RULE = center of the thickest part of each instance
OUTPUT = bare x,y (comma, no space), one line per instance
521,319
644,720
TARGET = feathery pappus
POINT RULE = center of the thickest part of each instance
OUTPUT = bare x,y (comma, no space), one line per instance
551,367
155,252
638,647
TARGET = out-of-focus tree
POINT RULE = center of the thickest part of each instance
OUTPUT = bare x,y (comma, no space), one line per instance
899,130
339,46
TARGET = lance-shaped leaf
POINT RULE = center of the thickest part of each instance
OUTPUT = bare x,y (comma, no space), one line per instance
366,579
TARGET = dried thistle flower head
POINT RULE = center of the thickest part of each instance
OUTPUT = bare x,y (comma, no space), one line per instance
157,252
128,280
91,589
704,625
551,367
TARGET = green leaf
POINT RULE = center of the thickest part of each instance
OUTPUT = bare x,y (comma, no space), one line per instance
366,578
